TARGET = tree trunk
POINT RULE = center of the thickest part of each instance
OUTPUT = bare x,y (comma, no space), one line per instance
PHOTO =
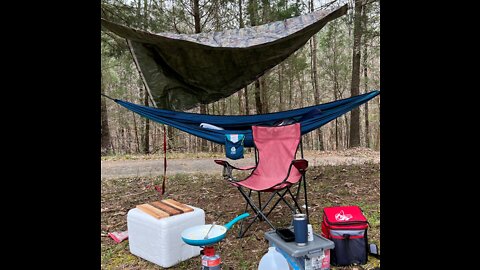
336,121
266,11
297,9
266,17
196,17
316,91
245,88
336,85
223,106
146,139
139,13
280,87
321,145
239,95
170,137
240,19
365,76
290,86
300,85
105,130
213,145
252,11
258,102
153,142
247,109
203,142
137,140
263,91
145,14
347,128
355,113
242,25
121,140
378,126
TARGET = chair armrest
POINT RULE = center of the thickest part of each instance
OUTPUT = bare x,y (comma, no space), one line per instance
228,168
300,164
225,163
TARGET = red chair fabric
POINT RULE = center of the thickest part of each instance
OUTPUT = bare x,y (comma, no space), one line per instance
276,147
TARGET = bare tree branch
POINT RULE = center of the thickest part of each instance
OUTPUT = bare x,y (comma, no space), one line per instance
120,42
205,3
176,27
106,10
186,8
208,13
324,6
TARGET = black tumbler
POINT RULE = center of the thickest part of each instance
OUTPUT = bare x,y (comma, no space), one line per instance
300,229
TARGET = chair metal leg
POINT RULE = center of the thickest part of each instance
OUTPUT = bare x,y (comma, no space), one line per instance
262,209
294,200
256,209
241,222
291,208
259,211
298,189
266,204
273,207
285,201
304,184
305,191
259,204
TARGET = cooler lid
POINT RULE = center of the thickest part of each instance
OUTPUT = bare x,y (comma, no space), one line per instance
313,248
344,215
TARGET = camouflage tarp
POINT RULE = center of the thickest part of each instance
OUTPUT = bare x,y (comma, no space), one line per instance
183,70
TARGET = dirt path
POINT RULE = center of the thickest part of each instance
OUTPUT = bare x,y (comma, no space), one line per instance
130,168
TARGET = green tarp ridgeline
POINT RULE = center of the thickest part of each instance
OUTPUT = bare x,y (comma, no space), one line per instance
182,71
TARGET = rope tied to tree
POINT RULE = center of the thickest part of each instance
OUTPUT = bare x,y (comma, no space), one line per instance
114,99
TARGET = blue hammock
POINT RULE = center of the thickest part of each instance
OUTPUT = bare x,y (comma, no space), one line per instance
310,118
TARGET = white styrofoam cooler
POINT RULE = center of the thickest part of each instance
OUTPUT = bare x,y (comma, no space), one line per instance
159,240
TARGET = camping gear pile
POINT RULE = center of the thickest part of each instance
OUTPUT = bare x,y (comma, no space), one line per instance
180,72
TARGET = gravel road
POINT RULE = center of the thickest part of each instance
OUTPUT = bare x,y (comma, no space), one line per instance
130,168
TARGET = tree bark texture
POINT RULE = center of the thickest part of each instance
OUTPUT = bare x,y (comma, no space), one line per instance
105,130
355,83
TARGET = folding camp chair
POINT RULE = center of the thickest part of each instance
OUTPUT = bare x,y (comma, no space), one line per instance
276,171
